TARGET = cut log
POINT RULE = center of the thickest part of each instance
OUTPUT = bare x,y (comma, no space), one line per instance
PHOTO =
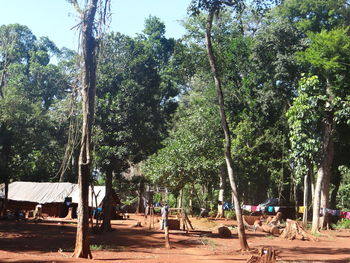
294,230
274,220
274,230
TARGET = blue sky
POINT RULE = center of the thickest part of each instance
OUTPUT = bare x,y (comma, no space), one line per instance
55,18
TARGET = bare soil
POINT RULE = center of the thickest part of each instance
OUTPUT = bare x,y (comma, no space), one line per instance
53,241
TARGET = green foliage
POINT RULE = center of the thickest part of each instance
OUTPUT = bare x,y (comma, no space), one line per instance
230,215
329,51
135,96
315,15
304,124
343,224
343,196
30,138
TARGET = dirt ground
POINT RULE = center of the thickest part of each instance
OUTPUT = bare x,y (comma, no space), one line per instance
51,241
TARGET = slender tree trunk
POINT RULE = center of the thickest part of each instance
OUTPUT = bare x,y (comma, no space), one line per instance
221,193
324,169
88,80
140,206
4,167
166,236
179,204
107,203
191,202
306,197
225,127
312,184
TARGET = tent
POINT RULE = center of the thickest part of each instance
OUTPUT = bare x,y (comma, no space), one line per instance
25,196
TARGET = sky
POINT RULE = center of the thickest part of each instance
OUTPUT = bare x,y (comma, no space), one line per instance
56,18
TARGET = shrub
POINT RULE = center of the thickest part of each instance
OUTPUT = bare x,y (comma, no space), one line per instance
212,213
343,224
230,214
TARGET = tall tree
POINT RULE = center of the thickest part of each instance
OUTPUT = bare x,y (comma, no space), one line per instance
213,8
328,54
91,30
135,98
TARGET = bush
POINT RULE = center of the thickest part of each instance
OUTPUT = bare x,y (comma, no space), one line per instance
212,213
344,224
230,215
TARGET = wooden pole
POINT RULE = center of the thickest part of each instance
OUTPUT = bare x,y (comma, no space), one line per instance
167,240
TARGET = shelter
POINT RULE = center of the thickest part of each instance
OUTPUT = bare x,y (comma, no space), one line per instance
55,198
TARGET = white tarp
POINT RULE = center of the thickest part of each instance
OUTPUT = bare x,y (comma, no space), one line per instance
2,190
51,192
99,191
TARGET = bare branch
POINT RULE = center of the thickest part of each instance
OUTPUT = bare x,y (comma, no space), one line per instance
76,5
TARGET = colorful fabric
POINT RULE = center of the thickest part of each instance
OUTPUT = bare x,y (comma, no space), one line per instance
247,207
343,214
254,208
348,215
270,209
301,209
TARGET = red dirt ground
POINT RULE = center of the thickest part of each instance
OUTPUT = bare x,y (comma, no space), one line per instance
26,242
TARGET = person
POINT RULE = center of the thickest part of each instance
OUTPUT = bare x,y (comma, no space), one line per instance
165,214
38,212
147,210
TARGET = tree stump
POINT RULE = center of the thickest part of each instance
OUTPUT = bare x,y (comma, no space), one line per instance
138,224
294,230
224,232
264,256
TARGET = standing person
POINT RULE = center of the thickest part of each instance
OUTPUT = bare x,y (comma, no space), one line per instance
165,214
165,224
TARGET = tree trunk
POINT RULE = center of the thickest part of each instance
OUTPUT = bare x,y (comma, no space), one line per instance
221,213
88,82
191,202
337,180
4,167
107,203
225,127
324,169
179,204
325,190
140,203
306,197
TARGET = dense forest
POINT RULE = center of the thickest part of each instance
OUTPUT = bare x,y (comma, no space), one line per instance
284,71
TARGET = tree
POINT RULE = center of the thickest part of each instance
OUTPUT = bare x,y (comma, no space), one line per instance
213,8
90,32
30,90
328,55
136,91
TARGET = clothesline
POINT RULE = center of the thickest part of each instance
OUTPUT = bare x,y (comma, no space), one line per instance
270,209
301,210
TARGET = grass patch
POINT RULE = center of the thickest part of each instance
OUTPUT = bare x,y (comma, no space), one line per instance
316,234
208,242
95,247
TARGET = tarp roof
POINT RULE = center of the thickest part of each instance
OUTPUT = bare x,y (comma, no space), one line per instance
51,192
